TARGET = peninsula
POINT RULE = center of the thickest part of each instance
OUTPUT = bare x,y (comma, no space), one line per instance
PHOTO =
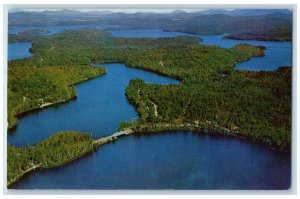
212,97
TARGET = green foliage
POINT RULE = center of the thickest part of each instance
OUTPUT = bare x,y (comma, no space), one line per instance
32,87
278,34
211,92
34,31
127,124
61,60
250,104
57,150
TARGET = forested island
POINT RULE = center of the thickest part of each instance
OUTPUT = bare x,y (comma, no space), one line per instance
263,35
34,32
207,22
212,96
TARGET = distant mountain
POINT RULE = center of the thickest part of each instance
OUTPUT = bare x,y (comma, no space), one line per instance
245,12
179,12
258,12
97,12
215,11
212,21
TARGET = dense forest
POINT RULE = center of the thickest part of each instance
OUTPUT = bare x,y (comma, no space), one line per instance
281,34
33,32
256,104
57,150
32,87
212,95
61,60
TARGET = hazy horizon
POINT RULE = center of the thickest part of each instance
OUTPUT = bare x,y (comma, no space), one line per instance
157,10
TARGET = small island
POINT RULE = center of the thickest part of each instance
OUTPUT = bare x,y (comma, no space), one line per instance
34,32
279,35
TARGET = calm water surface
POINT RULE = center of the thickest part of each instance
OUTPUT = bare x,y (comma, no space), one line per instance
170,161
57,29
276,54
100,106
18,50
146,33
164,161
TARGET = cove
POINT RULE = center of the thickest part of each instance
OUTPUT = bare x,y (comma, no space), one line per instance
100,106
276,54
18,50
181,160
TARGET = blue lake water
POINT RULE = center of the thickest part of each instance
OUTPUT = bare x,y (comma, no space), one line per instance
18,50
100,106
276,54
146,33
164,161
170,161
57,29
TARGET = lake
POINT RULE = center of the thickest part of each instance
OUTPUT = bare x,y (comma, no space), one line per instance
100,106
276,54
163,161
18,50
170,161
57,29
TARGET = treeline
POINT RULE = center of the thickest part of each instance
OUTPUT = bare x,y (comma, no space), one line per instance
251,104
61,60
192,63
280,34
12,38
254,103
33,31
32,87
57,150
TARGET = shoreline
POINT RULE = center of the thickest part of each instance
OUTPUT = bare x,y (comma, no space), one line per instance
208,129
20,176
50,104
234,37
152,129
127,65
96,143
